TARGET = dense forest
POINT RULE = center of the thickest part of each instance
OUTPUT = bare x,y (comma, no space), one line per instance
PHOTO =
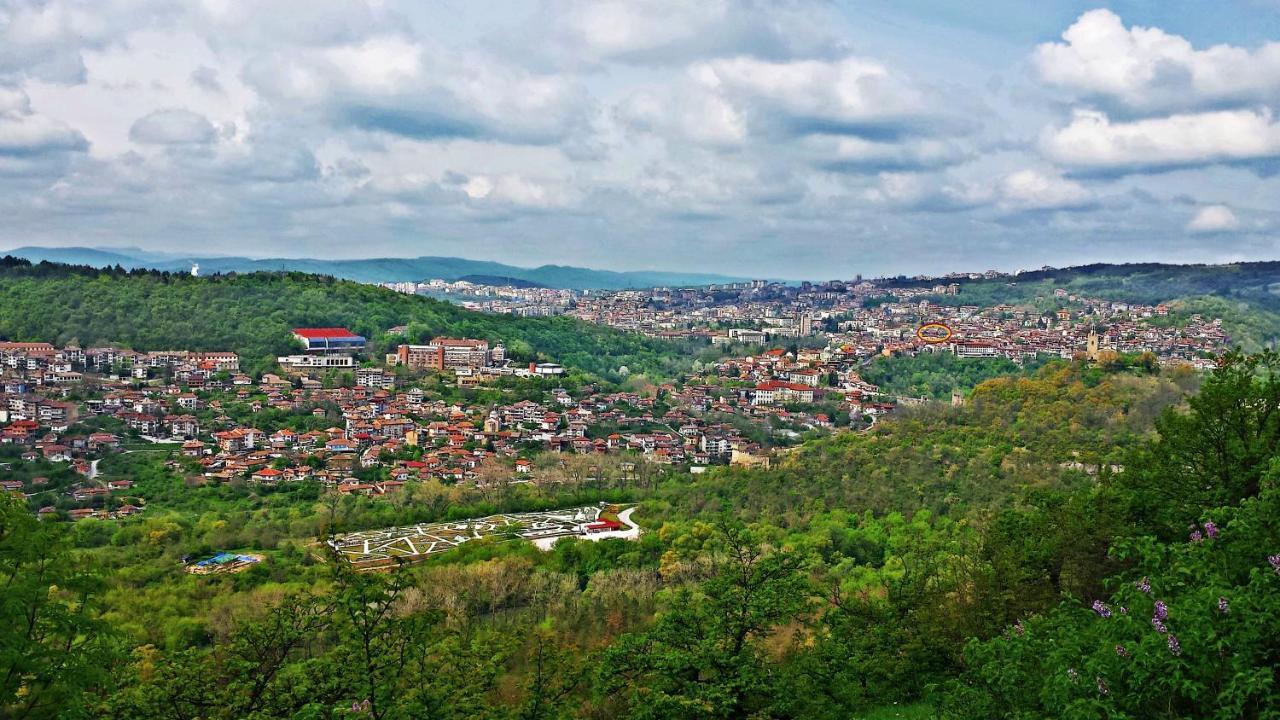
253,315
938,375
1079,543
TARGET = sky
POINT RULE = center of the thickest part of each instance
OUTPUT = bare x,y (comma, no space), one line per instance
802,139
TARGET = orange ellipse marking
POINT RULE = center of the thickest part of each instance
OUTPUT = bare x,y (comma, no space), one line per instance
924,334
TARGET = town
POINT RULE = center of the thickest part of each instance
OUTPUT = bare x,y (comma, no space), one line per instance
870,317
789,365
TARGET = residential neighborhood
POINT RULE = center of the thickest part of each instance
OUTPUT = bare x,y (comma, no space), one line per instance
788,366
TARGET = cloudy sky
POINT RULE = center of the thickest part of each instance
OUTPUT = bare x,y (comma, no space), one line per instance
780,138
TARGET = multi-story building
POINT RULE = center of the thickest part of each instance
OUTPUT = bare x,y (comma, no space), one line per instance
448,354
329,340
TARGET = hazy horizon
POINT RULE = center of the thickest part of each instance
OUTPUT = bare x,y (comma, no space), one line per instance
710,271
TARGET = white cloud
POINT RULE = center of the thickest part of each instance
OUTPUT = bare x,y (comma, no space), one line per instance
1213,219
930,193
416,88
662,32
1148,69
253,24
855,154
173,126
847,115
1015,192
1037,190
701,117
46,39
517,190
1092,140
853,95
43,40
24,132
609,28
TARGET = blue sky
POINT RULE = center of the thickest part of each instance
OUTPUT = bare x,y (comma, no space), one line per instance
781,138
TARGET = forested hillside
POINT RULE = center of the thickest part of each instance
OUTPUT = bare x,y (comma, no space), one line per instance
1081,543
253,315
1054,429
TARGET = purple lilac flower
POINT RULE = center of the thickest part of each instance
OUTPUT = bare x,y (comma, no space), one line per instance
1196,536
1122,651
1144,585
1223,607
1101,608
1162,610
1159,626
1211,530
1275,563
1174,646
1102,687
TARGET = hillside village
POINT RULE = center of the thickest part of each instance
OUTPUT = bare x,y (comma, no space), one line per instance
358,424
871,316
371,437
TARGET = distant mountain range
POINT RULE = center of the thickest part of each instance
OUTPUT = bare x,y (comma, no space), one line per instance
373,269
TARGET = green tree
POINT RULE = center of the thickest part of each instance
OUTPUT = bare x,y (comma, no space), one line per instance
1189,632
1216,452
54,647
704,657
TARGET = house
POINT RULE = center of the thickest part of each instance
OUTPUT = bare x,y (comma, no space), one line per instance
56,453
182,426
98,441
354,487
85,494
339,445
284,438
267,476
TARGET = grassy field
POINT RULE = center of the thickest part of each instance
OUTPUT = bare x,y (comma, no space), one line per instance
144,446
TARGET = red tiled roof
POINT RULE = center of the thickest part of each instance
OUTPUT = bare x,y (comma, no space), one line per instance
320,333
